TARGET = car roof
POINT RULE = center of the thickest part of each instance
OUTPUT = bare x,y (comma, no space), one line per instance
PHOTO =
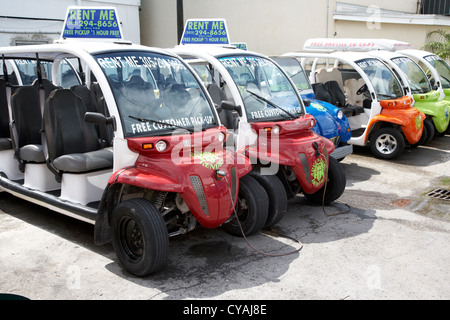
214,50
77,48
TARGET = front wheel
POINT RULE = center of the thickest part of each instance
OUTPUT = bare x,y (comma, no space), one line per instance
251,209
277,196
387,143
335,184
139,237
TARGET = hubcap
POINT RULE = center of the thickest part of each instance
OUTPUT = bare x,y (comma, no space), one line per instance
131,239
386,144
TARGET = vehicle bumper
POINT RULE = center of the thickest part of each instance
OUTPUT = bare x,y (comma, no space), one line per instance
342,152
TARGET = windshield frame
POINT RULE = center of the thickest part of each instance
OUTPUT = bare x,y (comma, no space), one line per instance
279,115
152,127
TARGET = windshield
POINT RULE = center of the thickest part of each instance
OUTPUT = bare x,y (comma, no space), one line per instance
266,91
417,79
155,94
383,80
295,71
442,68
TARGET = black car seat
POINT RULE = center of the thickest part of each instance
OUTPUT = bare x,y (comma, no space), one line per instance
104,131
228,118
214,92
5,135
27,123
321,92
338,98
46,85
72,143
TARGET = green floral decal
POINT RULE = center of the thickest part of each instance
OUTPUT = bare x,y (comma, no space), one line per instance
208,159
318,172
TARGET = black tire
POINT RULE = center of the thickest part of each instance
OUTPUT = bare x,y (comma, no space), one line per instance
430,130
335,184
252,208
139,237
387,143
277,196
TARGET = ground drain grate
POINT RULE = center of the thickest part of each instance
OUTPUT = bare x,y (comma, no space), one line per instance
440,194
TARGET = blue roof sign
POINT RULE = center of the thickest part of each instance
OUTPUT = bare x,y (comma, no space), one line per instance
92,23
205,31
239,45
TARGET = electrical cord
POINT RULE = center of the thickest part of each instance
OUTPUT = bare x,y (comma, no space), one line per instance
325,192
285,236
248,242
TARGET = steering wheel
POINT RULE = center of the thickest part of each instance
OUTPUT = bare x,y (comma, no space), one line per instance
362,89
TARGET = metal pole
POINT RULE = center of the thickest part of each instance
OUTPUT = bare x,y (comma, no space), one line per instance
180,19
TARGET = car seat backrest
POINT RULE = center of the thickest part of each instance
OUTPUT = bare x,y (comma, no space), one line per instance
351,87
333,74
321,92
65,129
139,91
47,85
336,93
4,113
105,132
214,92
27,115
87,96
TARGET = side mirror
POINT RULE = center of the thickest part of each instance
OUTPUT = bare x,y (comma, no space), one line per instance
226,105
99,119
218,108
306,102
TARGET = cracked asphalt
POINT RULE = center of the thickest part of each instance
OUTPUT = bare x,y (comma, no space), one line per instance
391,242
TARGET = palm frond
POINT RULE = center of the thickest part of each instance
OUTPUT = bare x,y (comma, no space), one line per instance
441,45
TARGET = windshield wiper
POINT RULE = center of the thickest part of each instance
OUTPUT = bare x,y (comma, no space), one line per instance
160,122
270,102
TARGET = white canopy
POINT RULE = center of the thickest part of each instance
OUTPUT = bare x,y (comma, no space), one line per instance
353,44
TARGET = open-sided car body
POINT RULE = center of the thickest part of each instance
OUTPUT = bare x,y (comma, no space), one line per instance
266,119
371,96
135,148
331,121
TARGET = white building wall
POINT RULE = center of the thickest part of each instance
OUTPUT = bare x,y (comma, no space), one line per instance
33,21
278,26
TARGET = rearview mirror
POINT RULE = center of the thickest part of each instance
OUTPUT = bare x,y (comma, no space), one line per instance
99,119
227,105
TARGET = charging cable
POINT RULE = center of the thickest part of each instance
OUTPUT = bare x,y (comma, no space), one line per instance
248,242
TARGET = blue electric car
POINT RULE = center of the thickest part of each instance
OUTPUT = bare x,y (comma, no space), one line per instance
331,121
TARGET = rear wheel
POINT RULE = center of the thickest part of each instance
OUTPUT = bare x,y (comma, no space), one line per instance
430,130
277,196
335,184
251,208
139,236
387,143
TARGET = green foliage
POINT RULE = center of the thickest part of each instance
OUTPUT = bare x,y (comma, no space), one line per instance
441,46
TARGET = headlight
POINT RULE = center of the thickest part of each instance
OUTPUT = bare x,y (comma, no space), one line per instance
161,146
276,129
340,114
